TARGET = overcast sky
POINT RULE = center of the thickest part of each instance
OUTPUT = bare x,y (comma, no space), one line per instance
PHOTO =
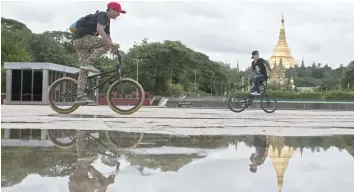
226,31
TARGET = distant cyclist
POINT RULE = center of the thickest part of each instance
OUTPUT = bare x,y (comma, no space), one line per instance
261,67
89,46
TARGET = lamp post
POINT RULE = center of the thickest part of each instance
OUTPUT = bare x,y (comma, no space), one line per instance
229,88
137,70
195,80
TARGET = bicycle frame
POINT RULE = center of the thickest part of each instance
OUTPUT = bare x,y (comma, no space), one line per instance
118,70
263,91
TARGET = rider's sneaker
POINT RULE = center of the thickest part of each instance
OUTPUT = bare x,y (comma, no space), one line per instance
255,93
89,68
83,100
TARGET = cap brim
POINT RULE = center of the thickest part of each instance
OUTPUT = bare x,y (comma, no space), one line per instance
122,11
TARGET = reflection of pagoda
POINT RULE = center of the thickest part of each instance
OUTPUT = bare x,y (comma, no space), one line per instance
280,155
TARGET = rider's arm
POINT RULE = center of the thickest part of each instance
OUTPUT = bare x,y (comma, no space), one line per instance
253,66
265,63
108,31
102,19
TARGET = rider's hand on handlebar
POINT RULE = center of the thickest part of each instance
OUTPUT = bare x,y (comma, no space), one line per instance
114,46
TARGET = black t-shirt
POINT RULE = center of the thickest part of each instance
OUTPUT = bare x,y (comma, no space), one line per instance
87,25
260,65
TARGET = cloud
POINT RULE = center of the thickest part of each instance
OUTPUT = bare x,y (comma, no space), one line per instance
226,31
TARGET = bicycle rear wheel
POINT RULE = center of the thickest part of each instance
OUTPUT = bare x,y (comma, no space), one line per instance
238,99
64,90
62,138
267,101
123,85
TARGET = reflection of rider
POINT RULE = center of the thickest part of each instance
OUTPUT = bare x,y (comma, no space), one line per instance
261,154
85,177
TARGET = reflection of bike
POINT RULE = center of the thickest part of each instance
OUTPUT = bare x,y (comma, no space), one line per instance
66,138
110,153
66,89
247,100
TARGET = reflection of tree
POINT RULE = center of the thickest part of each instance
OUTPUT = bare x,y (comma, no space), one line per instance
18,162
199,141
314,143
349,141
165,162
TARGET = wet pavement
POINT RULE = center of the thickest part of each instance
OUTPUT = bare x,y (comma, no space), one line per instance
78,160
179,120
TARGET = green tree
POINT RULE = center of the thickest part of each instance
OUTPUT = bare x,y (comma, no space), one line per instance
347,79
14,40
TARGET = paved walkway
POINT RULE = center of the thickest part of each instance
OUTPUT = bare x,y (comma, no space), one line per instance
182,121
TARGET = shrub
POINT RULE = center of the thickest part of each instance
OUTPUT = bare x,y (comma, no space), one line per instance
176,88
338,95
333,95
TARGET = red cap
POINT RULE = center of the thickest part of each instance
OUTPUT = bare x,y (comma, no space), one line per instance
116,6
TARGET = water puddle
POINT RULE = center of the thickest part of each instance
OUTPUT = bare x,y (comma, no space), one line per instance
122,117
72,160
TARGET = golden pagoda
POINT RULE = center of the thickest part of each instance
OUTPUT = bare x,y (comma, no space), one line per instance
281,54
280,156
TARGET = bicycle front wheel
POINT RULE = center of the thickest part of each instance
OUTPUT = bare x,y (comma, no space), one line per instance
238,103
268,101
124,140
124,88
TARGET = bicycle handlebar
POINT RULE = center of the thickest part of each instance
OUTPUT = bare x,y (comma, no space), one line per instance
119,56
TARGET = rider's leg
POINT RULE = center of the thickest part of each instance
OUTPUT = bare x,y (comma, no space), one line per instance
83,54
81,86
257,79
100,47
89,48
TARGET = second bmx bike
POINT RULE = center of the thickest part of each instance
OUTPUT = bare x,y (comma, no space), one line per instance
245,101
66,90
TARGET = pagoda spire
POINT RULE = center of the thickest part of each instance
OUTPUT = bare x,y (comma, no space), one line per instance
282,49
282,35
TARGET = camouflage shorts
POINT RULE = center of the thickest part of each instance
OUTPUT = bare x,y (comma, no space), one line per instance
89,48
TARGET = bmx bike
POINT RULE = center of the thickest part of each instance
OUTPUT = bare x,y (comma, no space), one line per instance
65,139
62,87
246,100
